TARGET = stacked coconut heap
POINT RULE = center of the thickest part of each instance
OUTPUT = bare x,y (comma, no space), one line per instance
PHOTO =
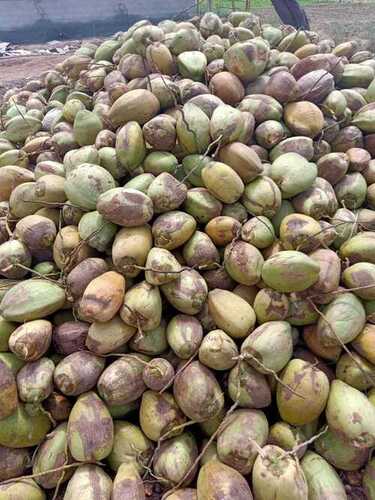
188,268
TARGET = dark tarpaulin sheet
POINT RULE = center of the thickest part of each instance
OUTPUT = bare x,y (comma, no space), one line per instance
290,12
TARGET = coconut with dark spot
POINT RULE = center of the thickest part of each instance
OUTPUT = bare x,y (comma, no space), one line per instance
130,446
52,454
166,193
103,297
8,391
160,132
122,382
235,442
333,167
130,249
15,259
125,207
70,337
228,87
24,428
35,380
78,373
243,262
159,373
359,248
355,371
363,343
259,232
90,429
86,183
37,233
31,340
27,488
217,480
104,338
277,473
222,229
360,277
12,176
282,86
248,387
161,266
270,305
202,205
302,382
200,251
262,197
299,144
344,318
340,452
69,249
319,201
184,335
187,293
329,275
269,347
270,133
242,159
173,229
160,416
218,351
142,307
58,406
13,462
288,437
351,415
202,404
300,232
128,484
313,342
88,483
165,465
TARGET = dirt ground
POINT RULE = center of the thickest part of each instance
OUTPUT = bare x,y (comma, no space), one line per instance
14,71
340,21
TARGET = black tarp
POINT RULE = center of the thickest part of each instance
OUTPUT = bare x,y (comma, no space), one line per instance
290,12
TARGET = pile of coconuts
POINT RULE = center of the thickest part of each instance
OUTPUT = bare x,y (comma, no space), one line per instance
187,261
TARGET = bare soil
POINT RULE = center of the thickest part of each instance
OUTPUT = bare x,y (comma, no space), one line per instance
15,71
341,21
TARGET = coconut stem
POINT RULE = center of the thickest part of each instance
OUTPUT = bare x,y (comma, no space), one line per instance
190,360
49,471
217,142
296,449
22,266
61,478
271,372
345,290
